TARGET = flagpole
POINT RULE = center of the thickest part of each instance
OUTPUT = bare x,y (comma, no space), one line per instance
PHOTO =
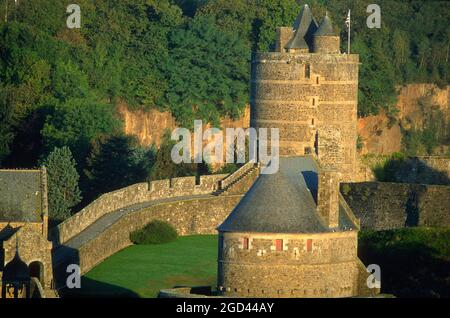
349,23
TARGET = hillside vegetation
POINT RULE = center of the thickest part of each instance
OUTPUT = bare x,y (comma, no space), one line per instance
59,86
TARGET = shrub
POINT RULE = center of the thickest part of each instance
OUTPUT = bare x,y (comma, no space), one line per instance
155,232
345,189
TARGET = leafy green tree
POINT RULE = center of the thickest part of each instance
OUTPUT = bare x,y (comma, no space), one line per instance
69,82
208,72
63,190
6,131
164,167
117,161
76,123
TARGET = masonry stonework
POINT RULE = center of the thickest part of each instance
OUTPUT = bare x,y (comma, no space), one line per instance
278,242
303,94
387,205
306,265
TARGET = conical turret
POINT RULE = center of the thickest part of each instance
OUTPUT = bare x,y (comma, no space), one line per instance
304,26
326,40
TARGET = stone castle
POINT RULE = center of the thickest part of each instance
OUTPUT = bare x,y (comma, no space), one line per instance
290,234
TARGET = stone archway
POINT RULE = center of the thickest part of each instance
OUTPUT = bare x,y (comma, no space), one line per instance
37,271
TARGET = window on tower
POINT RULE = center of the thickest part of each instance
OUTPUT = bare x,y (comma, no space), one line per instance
307,70
279,245
309,245
245,243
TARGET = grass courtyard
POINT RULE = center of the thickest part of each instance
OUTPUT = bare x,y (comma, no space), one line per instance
415,262
142,270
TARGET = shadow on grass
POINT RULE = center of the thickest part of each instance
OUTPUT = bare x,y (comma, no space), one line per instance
91,288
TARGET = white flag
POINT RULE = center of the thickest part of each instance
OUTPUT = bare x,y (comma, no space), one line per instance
347,21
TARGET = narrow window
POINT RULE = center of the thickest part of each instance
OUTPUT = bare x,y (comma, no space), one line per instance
245,243
309,245
317,80
279,245
312,121
314,101
307,70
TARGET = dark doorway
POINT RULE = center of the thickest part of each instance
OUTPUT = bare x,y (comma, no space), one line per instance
37,270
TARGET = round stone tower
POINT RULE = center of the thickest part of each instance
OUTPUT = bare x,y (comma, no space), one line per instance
278,243
308,90
325,39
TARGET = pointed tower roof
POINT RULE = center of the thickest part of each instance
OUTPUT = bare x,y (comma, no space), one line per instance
325,27
305,25
278,203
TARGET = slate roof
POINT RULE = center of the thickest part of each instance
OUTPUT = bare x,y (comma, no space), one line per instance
20,196
325,28
279,203
305,25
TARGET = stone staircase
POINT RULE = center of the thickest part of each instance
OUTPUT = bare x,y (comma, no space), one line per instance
240,181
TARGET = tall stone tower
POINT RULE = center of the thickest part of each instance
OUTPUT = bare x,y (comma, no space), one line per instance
308,89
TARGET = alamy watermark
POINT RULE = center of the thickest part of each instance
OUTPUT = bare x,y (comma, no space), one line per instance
74,19
74,279
374,279
190,149
374,19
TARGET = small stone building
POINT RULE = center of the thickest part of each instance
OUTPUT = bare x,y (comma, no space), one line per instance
25,257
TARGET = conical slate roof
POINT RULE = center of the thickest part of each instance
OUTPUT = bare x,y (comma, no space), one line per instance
305,25
325,28
278,203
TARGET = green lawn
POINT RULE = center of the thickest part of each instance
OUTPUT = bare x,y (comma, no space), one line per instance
415,262
142,270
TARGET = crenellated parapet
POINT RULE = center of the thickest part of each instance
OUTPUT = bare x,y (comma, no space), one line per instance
131,195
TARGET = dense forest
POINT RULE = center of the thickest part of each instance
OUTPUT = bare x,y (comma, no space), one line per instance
59,86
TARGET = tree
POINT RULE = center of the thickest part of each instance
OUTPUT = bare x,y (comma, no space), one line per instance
208,72
69,82
115,162
63,190
164,167
76,123
6,131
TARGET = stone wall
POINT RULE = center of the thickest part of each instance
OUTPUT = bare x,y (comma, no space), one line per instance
8,228
328,197
131,195
385,205
33,247
323,264
327,44
188,213
189,217
284,34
